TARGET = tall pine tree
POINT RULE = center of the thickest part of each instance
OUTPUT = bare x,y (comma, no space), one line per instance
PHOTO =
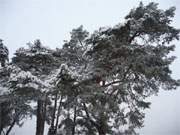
37,60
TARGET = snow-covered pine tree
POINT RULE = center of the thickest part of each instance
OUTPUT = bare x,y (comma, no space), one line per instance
5,104
4,54
12,108
132,59
75,63
38,61
19,104
103,79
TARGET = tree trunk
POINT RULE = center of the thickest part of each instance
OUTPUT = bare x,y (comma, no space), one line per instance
40,117
58,114
74,121
52,130
17,114
11,126
44,112
0,119
101,131
54,111
101,128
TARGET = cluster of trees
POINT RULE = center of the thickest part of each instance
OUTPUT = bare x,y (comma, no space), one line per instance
96,83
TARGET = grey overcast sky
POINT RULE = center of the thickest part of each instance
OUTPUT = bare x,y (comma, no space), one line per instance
51,21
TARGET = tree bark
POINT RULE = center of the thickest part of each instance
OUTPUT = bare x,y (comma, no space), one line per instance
44,112
40,117
17,114
11,126
101,131
54,111
52,130
74,121
58,114
99,126
0,119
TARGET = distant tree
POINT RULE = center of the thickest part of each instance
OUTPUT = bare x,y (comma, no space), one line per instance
4,54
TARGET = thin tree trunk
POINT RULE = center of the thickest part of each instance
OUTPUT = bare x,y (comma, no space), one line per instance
11,126
0,119
41,115
17,114
74,121
100,128
58,114
40,118
44,113
52,128
101,131
54,111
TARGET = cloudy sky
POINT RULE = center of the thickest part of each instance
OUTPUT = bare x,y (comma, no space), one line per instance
22,21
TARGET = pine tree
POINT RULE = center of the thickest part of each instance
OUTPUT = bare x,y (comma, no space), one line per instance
12,108
38,61
22,87
98,82
4,54
132,60
72,72
124,65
